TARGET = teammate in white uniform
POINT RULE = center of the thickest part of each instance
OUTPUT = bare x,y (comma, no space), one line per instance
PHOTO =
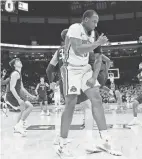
77,75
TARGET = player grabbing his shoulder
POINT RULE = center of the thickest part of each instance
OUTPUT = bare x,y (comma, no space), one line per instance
78,75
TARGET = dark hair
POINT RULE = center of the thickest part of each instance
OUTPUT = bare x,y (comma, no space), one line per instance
12,62
88,14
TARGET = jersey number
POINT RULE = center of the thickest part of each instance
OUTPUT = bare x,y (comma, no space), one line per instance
61,52
42,88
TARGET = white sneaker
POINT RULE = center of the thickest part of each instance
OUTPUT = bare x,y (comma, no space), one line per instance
107,146
42,113
135,121
19,129
25,125
63,151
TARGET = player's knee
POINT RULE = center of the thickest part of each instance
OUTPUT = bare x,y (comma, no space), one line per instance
95,94
96,102
96,98
29,105
71,100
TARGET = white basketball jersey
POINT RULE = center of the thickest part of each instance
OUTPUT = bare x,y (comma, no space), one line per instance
77,31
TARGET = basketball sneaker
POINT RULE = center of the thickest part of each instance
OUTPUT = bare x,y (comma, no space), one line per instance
135,121
25,125
63,150
107,145
19,129
42,113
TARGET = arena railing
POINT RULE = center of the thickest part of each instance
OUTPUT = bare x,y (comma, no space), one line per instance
56,47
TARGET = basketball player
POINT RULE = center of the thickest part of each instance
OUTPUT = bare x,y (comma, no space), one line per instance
41,92
15,93
82,98
78,75
57,95
137,101
57,59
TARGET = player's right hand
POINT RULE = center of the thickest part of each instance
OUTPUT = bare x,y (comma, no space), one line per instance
102,39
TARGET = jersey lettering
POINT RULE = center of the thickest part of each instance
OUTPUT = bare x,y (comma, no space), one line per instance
61,52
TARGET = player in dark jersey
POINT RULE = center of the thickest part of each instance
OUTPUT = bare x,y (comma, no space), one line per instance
137,101
41,91
57,59
15,95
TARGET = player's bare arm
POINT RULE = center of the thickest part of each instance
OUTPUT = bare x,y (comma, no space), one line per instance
14,77
107,60
80,48
97,65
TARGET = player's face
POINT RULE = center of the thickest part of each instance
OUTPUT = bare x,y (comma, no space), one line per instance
42,80
18,64
92,22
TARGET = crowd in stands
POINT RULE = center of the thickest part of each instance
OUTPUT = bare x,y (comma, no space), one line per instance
128,91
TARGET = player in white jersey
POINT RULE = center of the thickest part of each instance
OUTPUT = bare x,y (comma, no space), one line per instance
77,75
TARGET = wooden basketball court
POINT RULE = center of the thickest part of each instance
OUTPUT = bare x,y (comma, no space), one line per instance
39,142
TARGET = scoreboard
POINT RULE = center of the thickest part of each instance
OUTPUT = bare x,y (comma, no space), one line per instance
11,6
